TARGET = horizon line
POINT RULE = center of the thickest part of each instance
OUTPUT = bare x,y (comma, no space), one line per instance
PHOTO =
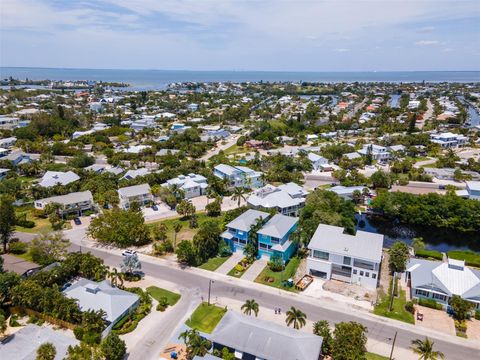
257,71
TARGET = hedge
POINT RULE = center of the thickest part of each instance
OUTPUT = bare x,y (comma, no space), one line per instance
429,254
430,303
21,311
471,258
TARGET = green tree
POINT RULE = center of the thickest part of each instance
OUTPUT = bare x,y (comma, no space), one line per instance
113,348
196,344
8,280
249,306
52,211
186,253
398,257
48,248
46,351
424,348
3,324
7,221
322,328
130,264
214,208
296,317
116,278
122,228
461,308
206,240
177,226
418,244
380,179
160,233
349,341
239,194
185,208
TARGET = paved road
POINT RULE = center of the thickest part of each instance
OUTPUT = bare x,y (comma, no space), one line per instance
379,329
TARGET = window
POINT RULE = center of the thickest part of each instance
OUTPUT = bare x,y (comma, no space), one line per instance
347,260
354,271
421,292
361,273
317,254
374,276
367,274
363,264
274,240
439,297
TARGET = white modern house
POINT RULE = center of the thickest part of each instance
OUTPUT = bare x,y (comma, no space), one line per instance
354,259
140,194
448,140
239,176
441,280
52,178
378,152
473,189
287,199
193,185
76,202
8,142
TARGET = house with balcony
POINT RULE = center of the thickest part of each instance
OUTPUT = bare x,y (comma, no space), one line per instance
73,203
448,140
239,176
440,281
193,185
274,237
140,194
286,199
379,153
355,259
238,230
318,162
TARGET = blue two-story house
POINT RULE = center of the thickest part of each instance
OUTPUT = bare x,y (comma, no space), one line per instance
274,237
238,229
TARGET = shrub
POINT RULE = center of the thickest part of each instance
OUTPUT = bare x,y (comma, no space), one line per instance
239,268
25,223
13,321
162,304
429,254
18,247
276,263
461,325
409,306
430,303
477,315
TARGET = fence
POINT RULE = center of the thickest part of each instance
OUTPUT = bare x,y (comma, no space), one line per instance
48,318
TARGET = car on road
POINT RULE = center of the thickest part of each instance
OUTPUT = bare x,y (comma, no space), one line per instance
77,221
128,252
441,187
155,208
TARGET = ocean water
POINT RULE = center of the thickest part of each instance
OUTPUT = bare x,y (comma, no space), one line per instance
158,79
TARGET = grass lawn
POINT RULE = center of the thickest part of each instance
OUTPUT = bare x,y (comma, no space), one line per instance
234,150
429,254
186,233
214,263
372,356
289,272
25,256
158,293
238,274
471,258
205,317
398,308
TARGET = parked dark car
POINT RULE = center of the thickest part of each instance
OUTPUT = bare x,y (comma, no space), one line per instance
155,208
77,221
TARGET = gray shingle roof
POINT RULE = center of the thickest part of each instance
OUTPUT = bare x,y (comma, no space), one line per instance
24,343
70,198
364,245
135,190
265,339
278,226
247,219
96,296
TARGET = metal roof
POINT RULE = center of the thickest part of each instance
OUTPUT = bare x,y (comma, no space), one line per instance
134,190
247,219
278,226
265,339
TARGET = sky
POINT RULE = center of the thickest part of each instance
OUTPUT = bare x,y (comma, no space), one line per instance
275,35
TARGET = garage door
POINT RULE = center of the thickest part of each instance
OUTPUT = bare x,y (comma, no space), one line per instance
319,274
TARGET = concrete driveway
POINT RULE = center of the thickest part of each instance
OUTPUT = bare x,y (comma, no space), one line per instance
163,212
255,269
230,263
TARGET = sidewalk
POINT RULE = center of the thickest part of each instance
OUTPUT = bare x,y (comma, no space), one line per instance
255,269
230,263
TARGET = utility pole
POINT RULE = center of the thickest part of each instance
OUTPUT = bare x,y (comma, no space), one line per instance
393,345
209,290
394,281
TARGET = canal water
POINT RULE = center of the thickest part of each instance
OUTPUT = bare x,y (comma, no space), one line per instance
473,114
394,101
435,239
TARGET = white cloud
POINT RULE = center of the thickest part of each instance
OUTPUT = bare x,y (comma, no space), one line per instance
341,50
427,42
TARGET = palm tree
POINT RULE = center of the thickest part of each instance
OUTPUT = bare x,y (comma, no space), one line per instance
196,344
46,351
239,194
177,226
249,306
296,317
116,278
425,350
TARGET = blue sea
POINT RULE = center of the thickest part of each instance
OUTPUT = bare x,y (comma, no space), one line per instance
158,79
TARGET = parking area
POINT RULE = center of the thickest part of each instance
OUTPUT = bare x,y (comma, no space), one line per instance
163,212
437,320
